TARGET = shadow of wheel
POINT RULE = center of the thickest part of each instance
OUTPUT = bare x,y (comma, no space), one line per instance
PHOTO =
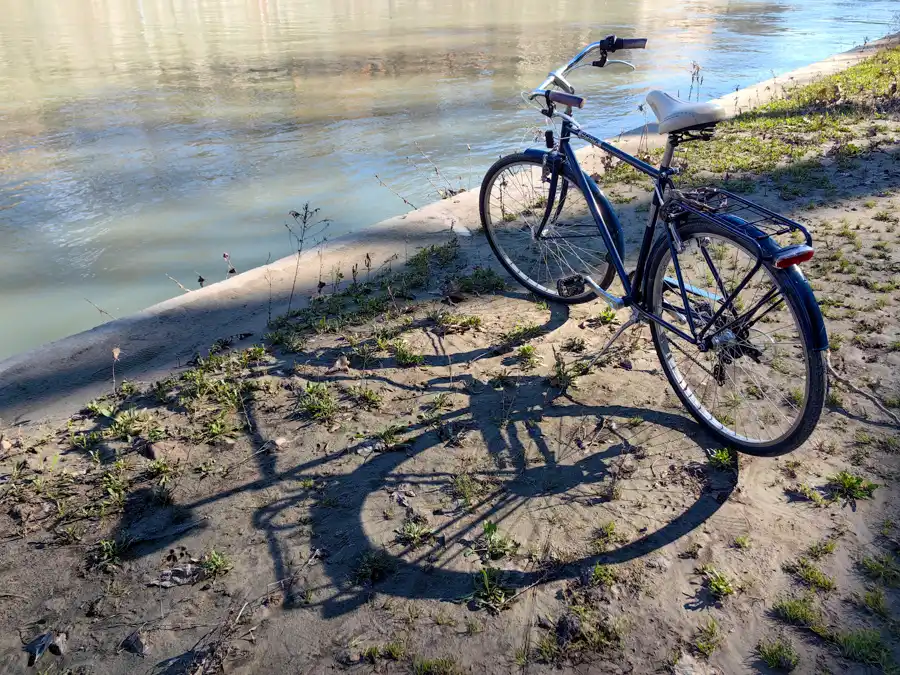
642,469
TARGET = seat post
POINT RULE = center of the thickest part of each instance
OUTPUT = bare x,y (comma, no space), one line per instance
669,152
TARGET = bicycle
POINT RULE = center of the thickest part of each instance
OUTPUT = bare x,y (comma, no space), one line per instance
734,322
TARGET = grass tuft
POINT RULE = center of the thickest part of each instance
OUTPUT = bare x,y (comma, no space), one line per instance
882,568
809,573
405,355
798,611
778,653
317,402
864,645
372,567
442,666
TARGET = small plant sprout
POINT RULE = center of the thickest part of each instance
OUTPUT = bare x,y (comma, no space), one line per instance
215,564
718,585
606,536
742,542
723,459
493,544
708,638
414,533
489,591
527,357
603,575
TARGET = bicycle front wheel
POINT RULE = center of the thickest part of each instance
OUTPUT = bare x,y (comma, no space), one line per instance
545,257
756,382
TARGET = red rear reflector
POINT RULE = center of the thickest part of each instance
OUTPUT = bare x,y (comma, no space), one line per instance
793,256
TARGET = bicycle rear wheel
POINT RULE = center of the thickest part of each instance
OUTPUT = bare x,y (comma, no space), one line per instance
757,384
514,198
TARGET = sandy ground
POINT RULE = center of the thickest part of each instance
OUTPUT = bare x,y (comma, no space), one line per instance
327,502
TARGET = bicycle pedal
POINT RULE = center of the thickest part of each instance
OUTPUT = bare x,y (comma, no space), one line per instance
571,286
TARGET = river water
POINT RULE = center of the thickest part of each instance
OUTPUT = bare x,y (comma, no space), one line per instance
144,138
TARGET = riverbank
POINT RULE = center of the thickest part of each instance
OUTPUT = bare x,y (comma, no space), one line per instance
393,484
55,378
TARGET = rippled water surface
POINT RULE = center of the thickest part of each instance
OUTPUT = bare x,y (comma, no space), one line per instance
140,138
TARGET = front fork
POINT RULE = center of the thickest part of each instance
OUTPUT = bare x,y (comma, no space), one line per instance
552,166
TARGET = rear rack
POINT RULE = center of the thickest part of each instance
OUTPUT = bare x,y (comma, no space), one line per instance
720,206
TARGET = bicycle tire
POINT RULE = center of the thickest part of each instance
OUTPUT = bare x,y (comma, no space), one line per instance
815,360
487,184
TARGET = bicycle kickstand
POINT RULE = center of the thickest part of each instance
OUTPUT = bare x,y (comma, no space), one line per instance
632,320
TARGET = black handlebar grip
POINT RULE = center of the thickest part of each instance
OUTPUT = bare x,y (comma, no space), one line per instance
631,43
566,99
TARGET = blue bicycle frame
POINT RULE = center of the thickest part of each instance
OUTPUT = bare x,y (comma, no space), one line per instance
756,233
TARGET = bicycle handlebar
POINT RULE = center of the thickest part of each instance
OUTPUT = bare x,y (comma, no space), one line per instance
569,100
608,44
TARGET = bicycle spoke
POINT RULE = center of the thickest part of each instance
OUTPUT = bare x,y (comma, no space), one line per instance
746,380
570,244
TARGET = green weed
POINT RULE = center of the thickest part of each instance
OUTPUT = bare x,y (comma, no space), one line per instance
708,638
851,486
368,398
605,537
521,332
778,653
215,564
742,542
490,593
317,402
723,459
883,568
717,583
527,357
405,355
414,533
603,575
821,548
372,567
